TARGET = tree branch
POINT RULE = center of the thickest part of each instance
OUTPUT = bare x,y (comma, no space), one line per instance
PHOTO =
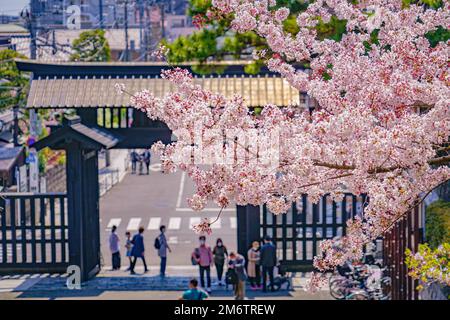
435,161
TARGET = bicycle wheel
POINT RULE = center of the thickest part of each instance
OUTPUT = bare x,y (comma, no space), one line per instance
338,288
357,295
385,288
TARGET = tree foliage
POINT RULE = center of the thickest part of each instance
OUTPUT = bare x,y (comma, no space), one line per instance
218,42
11,79
437,227
430,265
365,135
91,46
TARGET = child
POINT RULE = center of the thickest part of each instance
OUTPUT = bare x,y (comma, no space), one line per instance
128,246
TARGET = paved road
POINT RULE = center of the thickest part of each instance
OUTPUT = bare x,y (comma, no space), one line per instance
120,285
160,199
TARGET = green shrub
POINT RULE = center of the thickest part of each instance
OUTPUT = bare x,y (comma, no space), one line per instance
437,223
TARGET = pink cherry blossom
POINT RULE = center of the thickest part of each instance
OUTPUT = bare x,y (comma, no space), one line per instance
381,125
203,227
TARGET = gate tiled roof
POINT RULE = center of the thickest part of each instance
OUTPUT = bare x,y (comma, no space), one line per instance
81,92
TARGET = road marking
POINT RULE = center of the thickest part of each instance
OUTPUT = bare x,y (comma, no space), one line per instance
155,167
205,210
172,240
194,221
233,222
174,223
180,191
113,222
134,224
217,224
154,223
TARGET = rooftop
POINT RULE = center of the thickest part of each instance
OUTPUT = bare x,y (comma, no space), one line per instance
6,29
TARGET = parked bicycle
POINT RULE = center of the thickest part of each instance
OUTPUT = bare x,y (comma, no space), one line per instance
360,282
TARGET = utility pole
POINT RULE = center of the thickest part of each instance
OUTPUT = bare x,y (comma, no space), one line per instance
55,49
16,125
34,8
115,17
163,31
127,57
15,94
141,27
100,12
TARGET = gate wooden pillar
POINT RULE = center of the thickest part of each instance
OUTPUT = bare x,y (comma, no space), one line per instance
248,227
83,209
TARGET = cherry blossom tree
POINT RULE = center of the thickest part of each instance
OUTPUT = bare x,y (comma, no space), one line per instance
381,127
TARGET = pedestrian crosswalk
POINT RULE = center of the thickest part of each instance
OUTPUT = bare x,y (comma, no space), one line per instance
193,221
233,222
154,223
134,224
113,222
172,223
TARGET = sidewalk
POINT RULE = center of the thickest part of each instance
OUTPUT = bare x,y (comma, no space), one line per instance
121,285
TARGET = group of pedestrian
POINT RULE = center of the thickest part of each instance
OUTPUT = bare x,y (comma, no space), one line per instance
261,264
139,160
135,249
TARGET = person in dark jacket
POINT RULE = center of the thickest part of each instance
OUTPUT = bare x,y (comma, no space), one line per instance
268,260
220,253
146,156
138,250
115,248
162,251
134,157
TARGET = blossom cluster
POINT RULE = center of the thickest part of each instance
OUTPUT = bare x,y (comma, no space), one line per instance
380,128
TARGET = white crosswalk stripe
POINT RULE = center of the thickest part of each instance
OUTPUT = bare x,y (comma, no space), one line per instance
114,222
134,224
154,223
174,223
193,221
217,224
233,222
172,240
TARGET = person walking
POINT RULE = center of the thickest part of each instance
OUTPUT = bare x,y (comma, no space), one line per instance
220,254
237,262
138,250
128,247
204,258
162,246
134,157
115,248
194,293
268,260
147,158
141,163
253,268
